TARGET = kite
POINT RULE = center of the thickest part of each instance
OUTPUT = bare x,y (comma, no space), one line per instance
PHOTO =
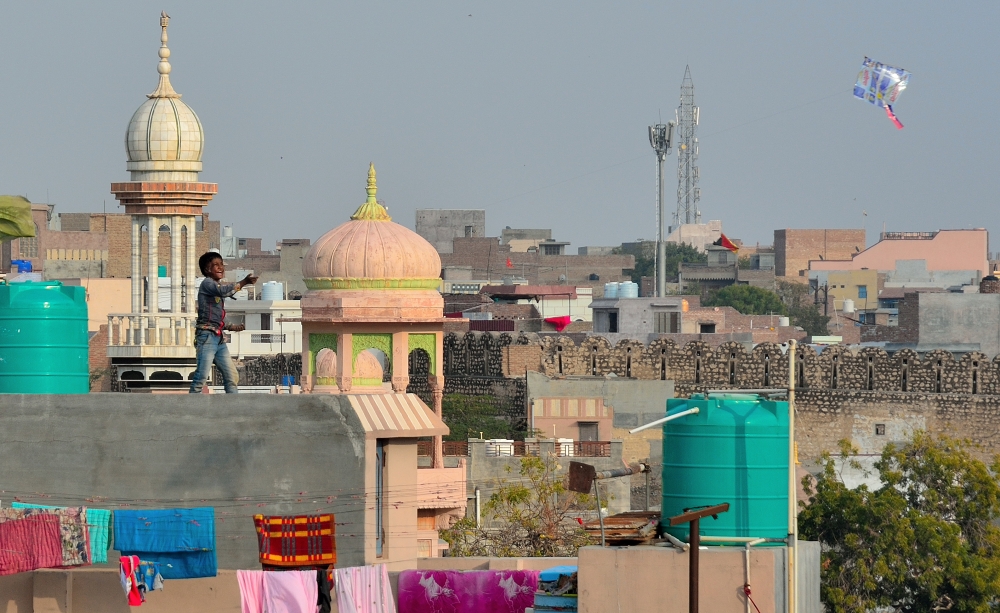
15,218
881,85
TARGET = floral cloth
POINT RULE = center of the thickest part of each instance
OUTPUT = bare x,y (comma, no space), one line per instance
72,530
448,591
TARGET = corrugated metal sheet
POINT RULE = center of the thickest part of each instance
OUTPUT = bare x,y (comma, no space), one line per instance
399,414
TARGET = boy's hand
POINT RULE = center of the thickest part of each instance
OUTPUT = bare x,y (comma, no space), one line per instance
249,280
236,327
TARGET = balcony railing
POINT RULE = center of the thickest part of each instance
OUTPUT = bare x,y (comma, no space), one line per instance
142,334
581,449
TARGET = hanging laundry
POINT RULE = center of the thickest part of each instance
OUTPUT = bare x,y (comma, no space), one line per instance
181,541
324,600
486,591
127,573
75,540
365,589
289,591
296,541
149,575
29,544
98,524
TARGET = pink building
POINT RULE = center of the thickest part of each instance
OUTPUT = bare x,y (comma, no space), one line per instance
942,250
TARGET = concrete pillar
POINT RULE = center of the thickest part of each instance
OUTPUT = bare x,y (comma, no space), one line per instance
52,591
136,264
437,392
400,361
192,266
153,267
345,362
176,278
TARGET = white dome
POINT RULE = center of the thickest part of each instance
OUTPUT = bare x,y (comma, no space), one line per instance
164,135
164,139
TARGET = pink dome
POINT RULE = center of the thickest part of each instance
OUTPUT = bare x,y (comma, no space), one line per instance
370,251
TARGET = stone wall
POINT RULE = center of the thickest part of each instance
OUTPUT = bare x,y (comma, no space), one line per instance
866,395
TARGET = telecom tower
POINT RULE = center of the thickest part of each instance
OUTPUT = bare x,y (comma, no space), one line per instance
660,137
688,192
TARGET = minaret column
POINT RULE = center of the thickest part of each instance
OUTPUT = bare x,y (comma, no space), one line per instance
176,278
153,269
136,264
192,266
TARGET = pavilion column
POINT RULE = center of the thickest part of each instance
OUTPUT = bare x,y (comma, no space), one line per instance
176,278
345,362
400,361
437,392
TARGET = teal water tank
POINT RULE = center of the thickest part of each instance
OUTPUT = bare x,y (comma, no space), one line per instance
735,450
43,339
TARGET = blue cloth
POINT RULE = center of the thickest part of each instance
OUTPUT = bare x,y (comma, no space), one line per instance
181,541
210,348
149,575
98,524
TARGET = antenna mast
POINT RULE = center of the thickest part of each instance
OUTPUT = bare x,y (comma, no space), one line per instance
688,192
660,137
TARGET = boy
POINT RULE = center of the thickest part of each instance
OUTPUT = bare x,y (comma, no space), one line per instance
209,344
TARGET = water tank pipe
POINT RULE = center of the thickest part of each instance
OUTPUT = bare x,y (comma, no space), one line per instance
664,420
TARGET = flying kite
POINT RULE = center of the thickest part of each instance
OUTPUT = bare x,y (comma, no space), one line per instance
881,85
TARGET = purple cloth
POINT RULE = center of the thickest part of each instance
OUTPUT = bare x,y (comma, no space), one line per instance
477,591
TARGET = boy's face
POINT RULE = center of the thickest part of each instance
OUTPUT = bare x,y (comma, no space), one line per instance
216,269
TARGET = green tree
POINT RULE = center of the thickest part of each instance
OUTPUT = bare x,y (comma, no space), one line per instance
802,309
747,299
926,540
467,416
744,262
524,517
645,259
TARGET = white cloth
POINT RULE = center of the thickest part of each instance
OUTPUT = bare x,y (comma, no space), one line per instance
364,589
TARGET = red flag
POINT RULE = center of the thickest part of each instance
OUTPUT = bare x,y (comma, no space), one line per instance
509,263
725,242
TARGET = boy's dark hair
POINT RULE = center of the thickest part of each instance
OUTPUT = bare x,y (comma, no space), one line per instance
206,259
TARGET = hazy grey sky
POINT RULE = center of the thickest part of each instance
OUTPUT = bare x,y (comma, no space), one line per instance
534,111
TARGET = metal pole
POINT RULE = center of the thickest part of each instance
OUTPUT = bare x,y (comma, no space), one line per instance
661,245
793,510
478,507
600,516
694,540
647,491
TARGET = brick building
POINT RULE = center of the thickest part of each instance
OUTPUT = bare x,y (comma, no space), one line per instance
93,245
793,249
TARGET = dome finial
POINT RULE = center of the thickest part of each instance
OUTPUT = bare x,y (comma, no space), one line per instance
164,89
371,210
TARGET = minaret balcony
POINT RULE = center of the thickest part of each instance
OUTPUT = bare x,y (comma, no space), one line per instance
151,335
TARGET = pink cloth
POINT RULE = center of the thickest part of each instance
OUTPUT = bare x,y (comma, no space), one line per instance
251,590
290,591
364,589
30,543
486,591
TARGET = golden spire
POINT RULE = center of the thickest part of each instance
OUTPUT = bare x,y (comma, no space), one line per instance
164,90
371,210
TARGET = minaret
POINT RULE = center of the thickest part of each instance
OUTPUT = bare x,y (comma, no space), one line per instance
164,143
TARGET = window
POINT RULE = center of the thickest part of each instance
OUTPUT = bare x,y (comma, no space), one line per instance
379,497
706,328
667,322
589,431
862,291
613,321
29,246
879,429
675,323
265,321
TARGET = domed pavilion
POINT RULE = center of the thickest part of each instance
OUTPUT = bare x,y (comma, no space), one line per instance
373,308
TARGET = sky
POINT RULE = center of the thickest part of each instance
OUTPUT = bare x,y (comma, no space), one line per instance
536,112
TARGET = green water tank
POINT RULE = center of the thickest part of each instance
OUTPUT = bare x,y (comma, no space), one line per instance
43,339
735,450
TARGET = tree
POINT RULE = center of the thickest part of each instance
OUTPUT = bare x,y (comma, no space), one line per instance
645,259
525,517
803,312
926,540
468,416
747,299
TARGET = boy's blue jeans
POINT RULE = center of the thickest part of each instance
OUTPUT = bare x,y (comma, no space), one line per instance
210,348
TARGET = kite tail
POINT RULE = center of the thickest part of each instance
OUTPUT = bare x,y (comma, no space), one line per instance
892,117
